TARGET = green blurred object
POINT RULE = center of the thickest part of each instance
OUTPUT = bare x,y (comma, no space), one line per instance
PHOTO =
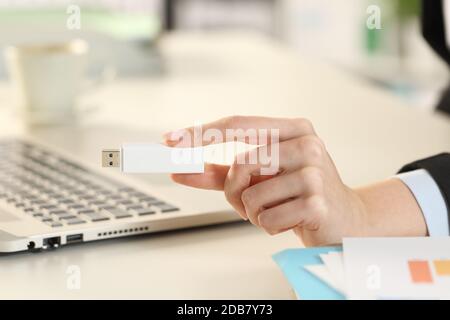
403,11
373,40
406,11
123,25
119,25
408,8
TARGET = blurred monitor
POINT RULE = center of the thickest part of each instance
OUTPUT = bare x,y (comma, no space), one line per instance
254,15
120,32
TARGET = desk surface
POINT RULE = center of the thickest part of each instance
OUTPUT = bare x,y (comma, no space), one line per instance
369,133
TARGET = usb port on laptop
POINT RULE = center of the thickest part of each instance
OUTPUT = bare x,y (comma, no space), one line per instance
74,238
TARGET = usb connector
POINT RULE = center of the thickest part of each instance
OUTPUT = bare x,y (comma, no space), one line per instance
154,158
111,158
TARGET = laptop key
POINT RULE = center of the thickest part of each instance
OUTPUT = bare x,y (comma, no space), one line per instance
38,202
95,216
52,195
76,206
11,200
79,192
88,198
125,202
126,189
66,201
152,202
84,211
104,207
67,216
58,212
134,207
104,192
29,197
75,221
165,207
48,207
137,195
118,213
144,212
97,203
55,224
148,199
116,197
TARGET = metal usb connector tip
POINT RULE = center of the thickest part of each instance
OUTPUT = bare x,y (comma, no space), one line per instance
154,158
111,158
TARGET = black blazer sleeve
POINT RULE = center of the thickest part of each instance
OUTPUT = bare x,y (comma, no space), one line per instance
439,168
433,30
433,27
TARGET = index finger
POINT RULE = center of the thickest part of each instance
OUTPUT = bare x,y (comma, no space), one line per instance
248,129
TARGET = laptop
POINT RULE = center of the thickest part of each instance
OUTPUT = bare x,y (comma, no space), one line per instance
53,195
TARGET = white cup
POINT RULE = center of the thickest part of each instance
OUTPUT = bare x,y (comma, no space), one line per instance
48,80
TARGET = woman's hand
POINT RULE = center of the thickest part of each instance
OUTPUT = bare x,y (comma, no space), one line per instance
306,194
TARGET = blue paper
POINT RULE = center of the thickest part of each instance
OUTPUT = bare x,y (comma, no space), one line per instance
306,285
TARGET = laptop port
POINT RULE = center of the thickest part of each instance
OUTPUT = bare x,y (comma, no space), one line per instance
53,242
74,238
31,245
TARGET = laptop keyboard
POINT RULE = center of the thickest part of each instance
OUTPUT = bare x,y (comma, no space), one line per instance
58,192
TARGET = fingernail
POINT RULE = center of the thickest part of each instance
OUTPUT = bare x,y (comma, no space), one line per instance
172,136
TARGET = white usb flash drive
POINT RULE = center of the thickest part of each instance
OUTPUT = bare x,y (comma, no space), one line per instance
154,158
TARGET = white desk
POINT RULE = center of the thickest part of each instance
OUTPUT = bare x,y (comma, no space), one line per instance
369,133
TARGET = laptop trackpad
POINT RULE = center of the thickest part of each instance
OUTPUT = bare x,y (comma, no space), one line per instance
7,217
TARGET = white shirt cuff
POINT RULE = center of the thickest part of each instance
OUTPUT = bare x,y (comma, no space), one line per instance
430,200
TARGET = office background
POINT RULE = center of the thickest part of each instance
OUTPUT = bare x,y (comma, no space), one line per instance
125,34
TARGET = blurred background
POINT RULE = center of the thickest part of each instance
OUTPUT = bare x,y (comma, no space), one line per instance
125,34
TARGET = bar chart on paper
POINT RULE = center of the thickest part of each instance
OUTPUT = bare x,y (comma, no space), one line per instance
421,270
397,268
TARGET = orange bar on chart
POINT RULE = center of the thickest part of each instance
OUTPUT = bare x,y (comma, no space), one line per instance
420,271
442,267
